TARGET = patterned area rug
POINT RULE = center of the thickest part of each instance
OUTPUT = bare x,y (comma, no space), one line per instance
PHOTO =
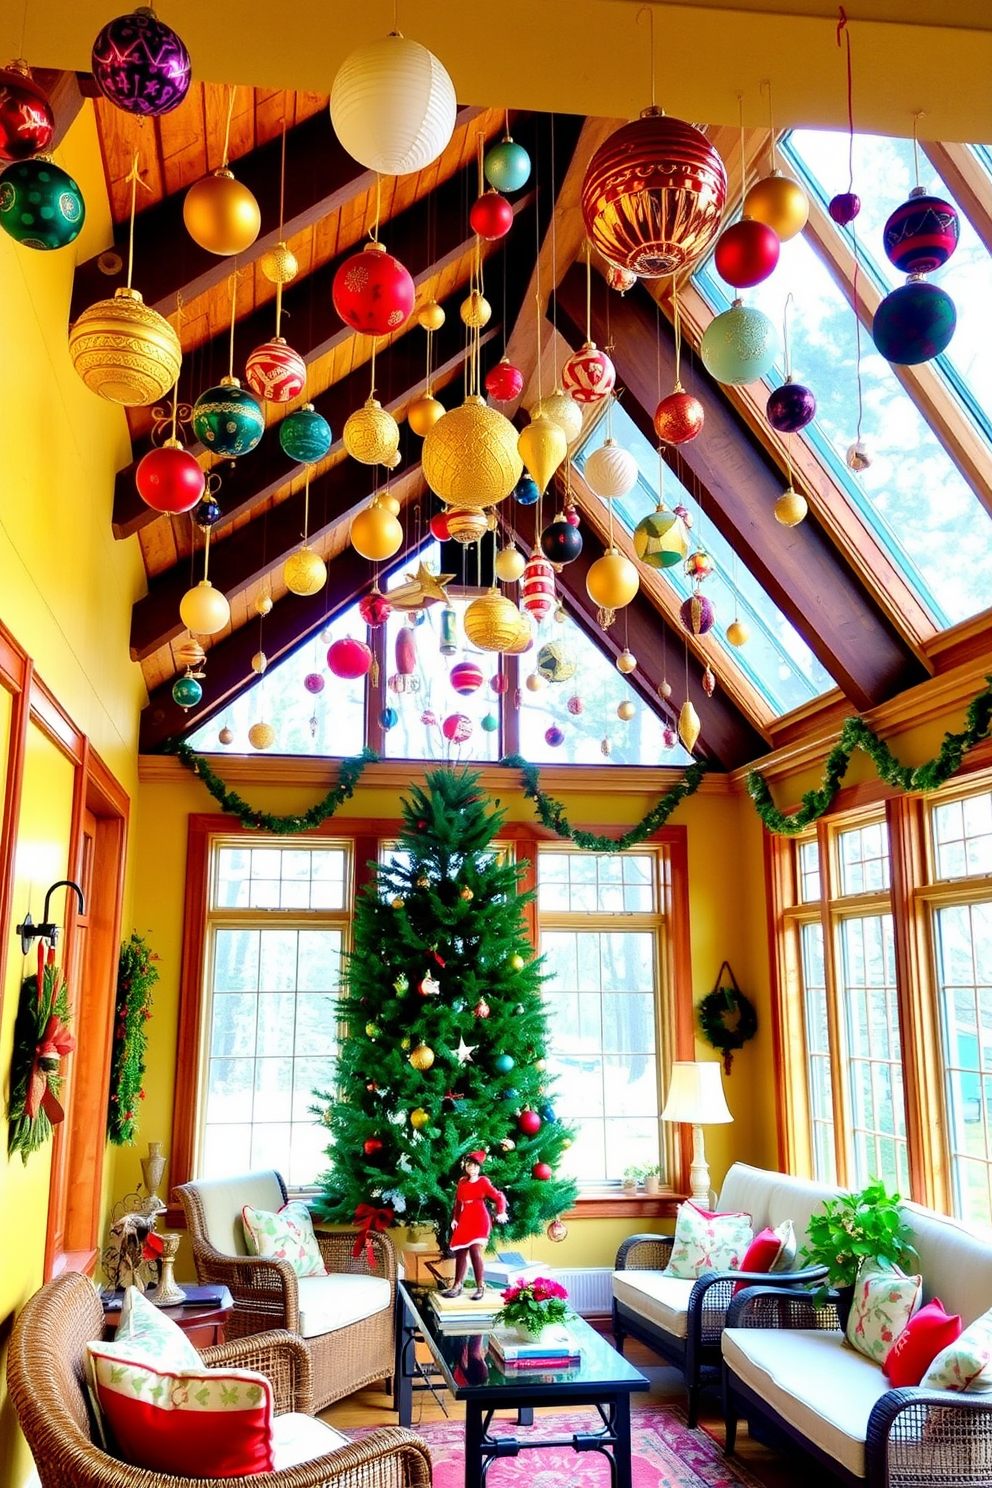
664,1454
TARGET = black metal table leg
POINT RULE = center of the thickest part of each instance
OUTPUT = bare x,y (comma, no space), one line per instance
474,1433
621,1446
525,1415
403,1376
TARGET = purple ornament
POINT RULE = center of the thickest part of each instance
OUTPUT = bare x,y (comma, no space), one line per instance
313,682
844,208
790,407
914,323
697,614
921,234
669,737
141,65
554,737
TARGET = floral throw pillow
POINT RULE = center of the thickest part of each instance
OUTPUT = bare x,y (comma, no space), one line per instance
286,1235
884,1302
966,1364
707,1242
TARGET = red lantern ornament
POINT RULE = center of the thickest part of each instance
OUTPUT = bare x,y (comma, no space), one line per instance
27,123
371,1146
372,292
439,526
466,677
456,728
349,658
747,253
491,216
529,1122
589,374
276,372
541,1170
679,418
169,479
505,381
537,588
313,682
374,609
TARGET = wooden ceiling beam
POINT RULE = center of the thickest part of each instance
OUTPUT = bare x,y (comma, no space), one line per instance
968,182
798,567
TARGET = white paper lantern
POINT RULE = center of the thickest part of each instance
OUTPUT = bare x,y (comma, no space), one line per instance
610,471
393,106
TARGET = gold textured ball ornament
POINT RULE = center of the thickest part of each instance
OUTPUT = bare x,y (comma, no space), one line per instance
279,264
738,633
371,435
524,638
510,563
780,203
221,215
626,710
790,508
626,662
562,409
689,725
124,351
393,460
470,456
476,310
612,581
422,1057
259,663
204,610
375,533
542,446
304,572
431,317
423,413
263,605
492,622
419,1118
467,527
261,736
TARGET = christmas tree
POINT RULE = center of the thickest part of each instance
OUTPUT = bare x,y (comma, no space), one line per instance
444,1049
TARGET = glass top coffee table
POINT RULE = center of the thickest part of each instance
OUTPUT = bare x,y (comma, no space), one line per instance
603,1378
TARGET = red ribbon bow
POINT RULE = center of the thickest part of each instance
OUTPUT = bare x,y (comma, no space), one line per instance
369,1218
54,1042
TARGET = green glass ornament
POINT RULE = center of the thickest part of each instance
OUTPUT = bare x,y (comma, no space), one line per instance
490,723
187,692
739,346
40,204
660,539
507,165
227,419
305,435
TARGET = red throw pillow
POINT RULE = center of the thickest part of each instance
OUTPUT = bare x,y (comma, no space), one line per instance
761,1255
924,1337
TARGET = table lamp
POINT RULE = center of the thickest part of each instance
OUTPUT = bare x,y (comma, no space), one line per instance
695,1096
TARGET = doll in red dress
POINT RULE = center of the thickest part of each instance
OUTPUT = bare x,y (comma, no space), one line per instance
471,1224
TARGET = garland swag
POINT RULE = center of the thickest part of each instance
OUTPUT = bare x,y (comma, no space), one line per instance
281,826
41,1038
856,734
552,812
136,976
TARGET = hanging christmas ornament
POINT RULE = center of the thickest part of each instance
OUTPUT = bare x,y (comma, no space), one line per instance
491,216
492,622
371,1146
448,640
504,1063
371,435
542,446
738,633
259,662
554,737
423,413
431,316
689,725
393,106
669,737
421,589
699,565
525,491
191,655
261,736
857,457
626,710
476,310
746,253
660,539
537,589
123,350
169,479
922,234
481,1009
204,610
588,375
388,718
507,165
679,417
626,662
40,205
467,527
709,681
439,527
206,513
575,706
372,291
697,614
279,264
529,1122
554,663
611,583
470,456
504,382
304,572
221,215
456,728
914,323
466,677
419,1118
844,207
263,605
406,650
305,435
348,658
534,682
620,279
227,419
557,1230
790,407
610,471
664,688
186,691
275,371
422,1057
561,543
141,65
561,408
27,122
313,682
739,346
226,735
780,203
790,508
498,683
509,563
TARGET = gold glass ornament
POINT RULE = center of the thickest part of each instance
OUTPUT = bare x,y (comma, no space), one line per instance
371,435
419,1118
375,533
279,264
263,604
423,413
390,502
626,662
226,735
612,581
304,572
467,527
689,725
261,736
221,215
534,682
431,316
626,710
790,508
542,447
780,203
737,633
562,409
204,610
510,563
422,1057
124,351
476,310
259,662
492,622
470,456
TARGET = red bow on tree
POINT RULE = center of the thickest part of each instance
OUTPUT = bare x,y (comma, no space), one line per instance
369,1218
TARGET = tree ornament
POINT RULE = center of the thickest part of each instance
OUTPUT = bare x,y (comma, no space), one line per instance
699,565
393,106
348,658
605,748
542,446
371,1146
660,539
857,457
371,436
470,456
709,681
228,420
491,216
279,264
529,1122
679,417
456,728
739,346
204,610
466,894
431,317
124,351
259,662
375,533
534,682
419,1118
626,662
589,374
263,605
304,572
373,292
557,1231
684,515
510,563
914,323
401,983
448,643
261,736
697,614
498,682
221,215
169,479
554,737
492,622
503,1063
390,502
186,691
611,582
542,1171
626,710
610,471
561,408
554,662
746,253
421,589
575,706
467,527
226,735
490,723
372,1031
738,633
507,165
481,1009
561,543
537,589
140,65
305,435
504,382
664,688
466,677
921,235
790,407
525,491
27,122
275,371
422,1057
374,609
423,413
653,195
313,682
780,203
475,310
40,205
620,279
465,1051
844,207
790,508
689,725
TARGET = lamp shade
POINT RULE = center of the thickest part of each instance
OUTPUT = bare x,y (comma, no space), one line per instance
695,1094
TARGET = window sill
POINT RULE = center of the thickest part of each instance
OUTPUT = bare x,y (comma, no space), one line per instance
615,1204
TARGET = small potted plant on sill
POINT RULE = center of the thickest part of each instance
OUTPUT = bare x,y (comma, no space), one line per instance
532,1306
632,1177
652,1180
863,1226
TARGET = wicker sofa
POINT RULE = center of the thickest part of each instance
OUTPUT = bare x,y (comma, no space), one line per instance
787,1366
683,1320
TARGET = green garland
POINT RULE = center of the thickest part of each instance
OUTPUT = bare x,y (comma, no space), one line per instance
136,975
281,826
552,812
716,1007
41,1039
856,734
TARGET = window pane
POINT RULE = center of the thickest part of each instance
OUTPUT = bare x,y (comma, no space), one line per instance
870,1017
600,883
818,1083
280,878
963,946
864,859
962,835
809,871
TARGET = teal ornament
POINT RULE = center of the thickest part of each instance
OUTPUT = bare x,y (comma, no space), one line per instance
305,435
490,723
507,166
187,692
458,1006
504,1063
40,204
511,1095
739,346
389,718
228,420
914,323
548,1113
525,491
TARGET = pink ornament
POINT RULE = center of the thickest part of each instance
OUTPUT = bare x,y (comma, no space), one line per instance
498,683
669,737
481,1009
588,375
572,516
542,1171
529,1122
275,371
349,658
466,677
575,706
537,588
505,381
374,609
406,651
456,728
428,719
313,682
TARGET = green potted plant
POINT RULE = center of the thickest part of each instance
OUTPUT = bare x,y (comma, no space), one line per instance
632,1176
531,1306
652,1179
855,1227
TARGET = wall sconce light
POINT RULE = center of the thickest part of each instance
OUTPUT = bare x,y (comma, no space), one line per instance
29,931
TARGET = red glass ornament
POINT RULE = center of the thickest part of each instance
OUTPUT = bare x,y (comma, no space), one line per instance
456,728
679,418
537,588
313,682
844,208
572,516
373,292
349,658
922,234
27,123
491,216
542,1171
505,381
498,683
374,609
620,279
529,1122
276,372
746,253
466,677
481,1009
371,1145
439,526
588,374
169,479
406,651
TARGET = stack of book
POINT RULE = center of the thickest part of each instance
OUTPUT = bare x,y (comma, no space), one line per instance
464,1314
510,1267
555,1355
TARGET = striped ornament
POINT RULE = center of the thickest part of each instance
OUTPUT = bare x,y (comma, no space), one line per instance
537,588
466,677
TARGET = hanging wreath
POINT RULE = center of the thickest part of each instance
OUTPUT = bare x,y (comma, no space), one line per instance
727,1018
41,1038
136,975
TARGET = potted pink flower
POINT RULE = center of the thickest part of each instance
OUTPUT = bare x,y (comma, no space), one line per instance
531,1306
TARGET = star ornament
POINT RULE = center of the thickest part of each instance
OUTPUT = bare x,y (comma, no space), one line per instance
420,590
465,1051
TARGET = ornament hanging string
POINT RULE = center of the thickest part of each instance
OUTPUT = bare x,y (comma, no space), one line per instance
134,176
766,87
787,349
920,114
282,207
227,126
648,10
844,38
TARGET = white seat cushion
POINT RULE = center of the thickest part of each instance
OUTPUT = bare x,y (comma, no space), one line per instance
331,1302
660,1299
297,1438
814,1381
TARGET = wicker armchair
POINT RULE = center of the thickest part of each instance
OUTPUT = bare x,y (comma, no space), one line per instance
267,1294
46,1378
